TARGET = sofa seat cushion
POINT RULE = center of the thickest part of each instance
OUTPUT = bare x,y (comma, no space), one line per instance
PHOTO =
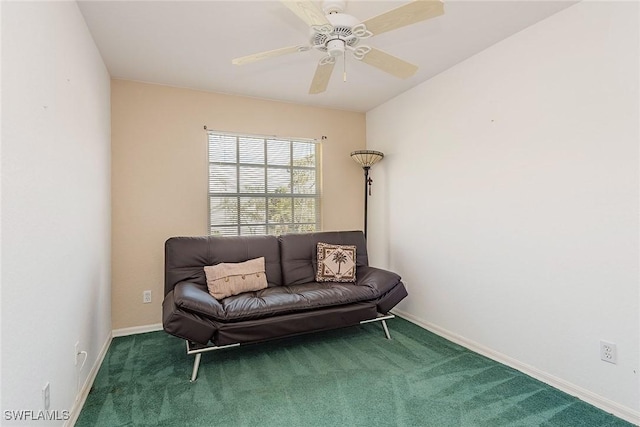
372,283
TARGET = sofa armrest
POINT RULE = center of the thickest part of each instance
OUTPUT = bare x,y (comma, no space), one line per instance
379,280
194,297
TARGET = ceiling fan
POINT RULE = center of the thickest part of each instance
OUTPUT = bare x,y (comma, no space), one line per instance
334,33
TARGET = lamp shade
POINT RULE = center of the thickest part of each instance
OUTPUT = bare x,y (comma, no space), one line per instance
367,158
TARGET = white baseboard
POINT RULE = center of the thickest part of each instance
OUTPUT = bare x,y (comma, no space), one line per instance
136,330
598,401
74,413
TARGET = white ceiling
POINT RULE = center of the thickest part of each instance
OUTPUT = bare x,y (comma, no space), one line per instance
191,44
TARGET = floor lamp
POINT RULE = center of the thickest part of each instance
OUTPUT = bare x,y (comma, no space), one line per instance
366,159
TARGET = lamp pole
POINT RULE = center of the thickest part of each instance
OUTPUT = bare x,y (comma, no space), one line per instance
366,196
366,158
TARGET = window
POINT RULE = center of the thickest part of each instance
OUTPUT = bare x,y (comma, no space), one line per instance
262,185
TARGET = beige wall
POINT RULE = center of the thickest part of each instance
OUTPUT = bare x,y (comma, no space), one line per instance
159,175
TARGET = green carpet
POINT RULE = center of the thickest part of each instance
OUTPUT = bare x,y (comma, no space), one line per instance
347,377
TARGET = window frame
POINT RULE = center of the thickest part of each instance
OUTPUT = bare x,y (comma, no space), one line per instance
273,228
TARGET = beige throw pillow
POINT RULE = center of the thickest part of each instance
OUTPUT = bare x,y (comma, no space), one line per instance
226,279
336,263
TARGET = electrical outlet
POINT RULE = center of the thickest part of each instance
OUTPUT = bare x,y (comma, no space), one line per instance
608,352
146,297
46,396
76,353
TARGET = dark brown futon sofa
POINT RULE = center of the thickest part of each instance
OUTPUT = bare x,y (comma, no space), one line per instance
293,303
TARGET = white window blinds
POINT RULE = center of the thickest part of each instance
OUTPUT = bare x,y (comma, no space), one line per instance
262,185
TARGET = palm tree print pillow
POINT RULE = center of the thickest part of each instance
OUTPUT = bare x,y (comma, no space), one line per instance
336,263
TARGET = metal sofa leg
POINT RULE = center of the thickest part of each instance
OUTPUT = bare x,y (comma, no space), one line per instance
196,365
196,349
386,330
381,318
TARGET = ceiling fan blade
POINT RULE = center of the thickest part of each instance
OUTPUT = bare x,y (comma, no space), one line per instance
308,11
389,63
321,78
410,13
268,54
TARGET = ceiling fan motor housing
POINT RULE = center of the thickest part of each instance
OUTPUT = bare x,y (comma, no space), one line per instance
333,6
341,36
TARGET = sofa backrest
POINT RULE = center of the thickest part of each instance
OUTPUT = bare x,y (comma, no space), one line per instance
298,253
186,257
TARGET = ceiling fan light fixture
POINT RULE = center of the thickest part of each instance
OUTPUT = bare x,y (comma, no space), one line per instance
335,47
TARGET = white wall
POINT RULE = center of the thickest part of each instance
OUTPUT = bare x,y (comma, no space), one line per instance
55,203
508,199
